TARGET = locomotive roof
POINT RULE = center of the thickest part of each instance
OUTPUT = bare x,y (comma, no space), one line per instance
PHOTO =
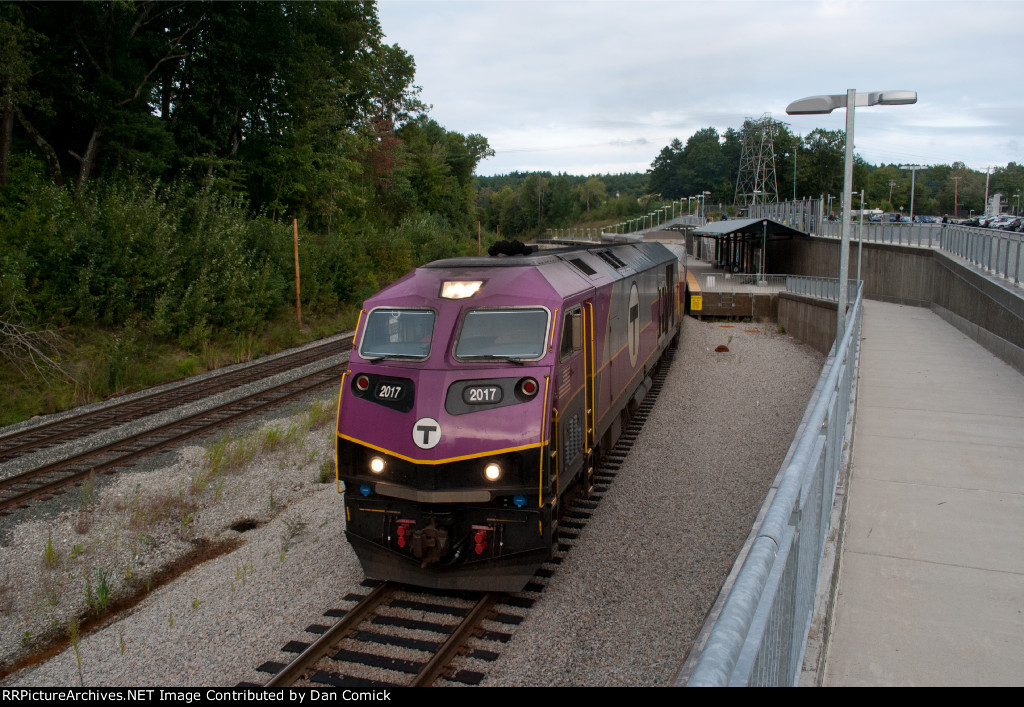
652,251
554,274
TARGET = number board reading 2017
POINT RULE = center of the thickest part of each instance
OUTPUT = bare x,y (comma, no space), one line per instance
390,391
481,395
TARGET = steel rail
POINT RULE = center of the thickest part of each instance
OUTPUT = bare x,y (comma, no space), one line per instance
251,404
76,425
453,646
323,645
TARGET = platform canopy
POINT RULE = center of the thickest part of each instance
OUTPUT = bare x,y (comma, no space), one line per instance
738,242
748,229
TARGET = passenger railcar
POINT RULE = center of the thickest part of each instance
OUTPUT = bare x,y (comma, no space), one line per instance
479,391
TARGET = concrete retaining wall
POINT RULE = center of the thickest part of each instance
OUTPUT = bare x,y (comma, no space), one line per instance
808,319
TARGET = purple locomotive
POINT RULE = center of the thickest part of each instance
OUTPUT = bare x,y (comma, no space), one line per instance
479,391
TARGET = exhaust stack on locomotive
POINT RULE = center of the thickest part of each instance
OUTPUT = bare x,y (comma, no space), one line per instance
479,391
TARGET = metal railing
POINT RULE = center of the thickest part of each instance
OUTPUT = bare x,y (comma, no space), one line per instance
805,215
823,287
995,252
760,635
741,282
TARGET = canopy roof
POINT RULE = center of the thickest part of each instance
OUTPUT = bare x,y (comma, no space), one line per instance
748,229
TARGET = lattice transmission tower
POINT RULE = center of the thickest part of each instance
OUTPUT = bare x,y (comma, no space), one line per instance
755,182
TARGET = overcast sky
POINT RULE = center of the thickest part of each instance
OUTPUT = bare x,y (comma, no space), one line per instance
590,87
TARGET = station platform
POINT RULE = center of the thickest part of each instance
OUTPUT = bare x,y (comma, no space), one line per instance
931,578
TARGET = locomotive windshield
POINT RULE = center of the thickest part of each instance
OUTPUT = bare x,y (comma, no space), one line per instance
503,333
399,333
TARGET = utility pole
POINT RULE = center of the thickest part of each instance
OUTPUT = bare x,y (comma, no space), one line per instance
956,196
913,174
892,183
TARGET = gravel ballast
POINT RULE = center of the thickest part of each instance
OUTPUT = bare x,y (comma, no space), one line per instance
622,609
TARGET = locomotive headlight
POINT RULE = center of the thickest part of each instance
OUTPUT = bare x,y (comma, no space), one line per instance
376,465
492,471
456,289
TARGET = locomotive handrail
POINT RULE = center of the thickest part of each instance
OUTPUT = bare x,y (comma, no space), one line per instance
760,634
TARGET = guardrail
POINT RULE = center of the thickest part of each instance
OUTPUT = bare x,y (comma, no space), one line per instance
994,251
823,287
741,282
760,635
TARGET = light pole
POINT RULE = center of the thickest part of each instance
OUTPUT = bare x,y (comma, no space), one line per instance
704,203
796,149
860,233
764,244
913,175
825,105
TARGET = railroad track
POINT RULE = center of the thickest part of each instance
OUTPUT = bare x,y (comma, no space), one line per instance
428,630
395,636
51,478
72,427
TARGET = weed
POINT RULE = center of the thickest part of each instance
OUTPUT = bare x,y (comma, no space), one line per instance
76,550
26,639
284,551
170,619
158,508
50,556
293,529
782,330
320,414
270,439
74,636
326,471
102,590
123,646
195,602
296,434
185,524
84,522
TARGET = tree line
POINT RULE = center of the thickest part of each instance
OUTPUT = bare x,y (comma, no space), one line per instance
812,166
153,156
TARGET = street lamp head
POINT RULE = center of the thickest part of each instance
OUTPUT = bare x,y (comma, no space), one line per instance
813,105
826,104
891,98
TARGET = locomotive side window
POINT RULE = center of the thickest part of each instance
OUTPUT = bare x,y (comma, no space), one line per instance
400,333
503,333
572,333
